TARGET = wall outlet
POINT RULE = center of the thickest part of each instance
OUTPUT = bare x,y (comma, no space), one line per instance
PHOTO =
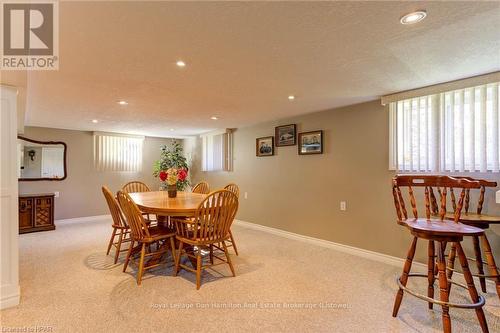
246,195
56,194
343,206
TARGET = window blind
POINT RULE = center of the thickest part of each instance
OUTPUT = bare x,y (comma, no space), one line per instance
114,152
453,131
217,151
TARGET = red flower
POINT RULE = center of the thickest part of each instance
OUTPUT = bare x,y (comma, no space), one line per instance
182,174
163,176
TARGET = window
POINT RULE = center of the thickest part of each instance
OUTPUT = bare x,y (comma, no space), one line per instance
115,152
452,131
217,150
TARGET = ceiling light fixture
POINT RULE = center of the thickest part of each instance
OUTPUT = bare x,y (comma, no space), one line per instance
214,118
172,130
95,121
123,102
291,97
413,17
180,63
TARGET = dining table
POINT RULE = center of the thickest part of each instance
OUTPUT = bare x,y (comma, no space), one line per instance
159,203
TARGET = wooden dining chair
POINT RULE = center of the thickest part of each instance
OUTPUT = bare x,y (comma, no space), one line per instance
437,231
210,225
135,186
236,190
202,188
144,236
483,221
138,186
120,227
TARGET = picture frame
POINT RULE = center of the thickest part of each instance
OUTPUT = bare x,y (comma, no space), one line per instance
285,135
264,146
310,143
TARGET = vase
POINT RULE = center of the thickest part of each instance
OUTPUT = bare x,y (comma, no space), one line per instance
172,191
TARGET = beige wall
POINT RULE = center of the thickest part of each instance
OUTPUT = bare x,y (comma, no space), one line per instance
80,193
302,194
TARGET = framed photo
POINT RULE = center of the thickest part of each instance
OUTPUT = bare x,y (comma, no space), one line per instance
285,135
264,146
311,143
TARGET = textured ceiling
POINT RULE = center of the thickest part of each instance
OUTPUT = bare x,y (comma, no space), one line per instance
244,59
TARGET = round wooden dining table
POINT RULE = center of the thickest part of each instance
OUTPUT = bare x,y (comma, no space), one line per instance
158,202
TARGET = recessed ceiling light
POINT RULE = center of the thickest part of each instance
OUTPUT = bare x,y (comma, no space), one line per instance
214,118
413,17
291,97
172,129
95,121
123,102
180,63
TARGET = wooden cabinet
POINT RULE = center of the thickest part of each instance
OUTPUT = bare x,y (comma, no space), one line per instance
36,212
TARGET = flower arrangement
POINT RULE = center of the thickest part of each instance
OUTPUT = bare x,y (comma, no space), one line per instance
172,163
172,176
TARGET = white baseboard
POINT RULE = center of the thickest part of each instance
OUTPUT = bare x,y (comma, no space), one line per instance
10,296
84,219
371,255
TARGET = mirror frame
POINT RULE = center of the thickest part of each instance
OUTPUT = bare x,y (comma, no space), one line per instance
20,137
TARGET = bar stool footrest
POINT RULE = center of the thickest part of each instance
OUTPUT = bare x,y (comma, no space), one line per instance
479,304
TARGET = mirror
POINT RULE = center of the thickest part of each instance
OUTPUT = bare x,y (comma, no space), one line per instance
41,160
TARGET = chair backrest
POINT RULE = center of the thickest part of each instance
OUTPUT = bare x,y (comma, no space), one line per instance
442,183
114,208
213,217
138,228
202,188
484,184
135,186
233,188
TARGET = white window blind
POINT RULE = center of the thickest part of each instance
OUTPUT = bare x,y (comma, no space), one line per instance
115,152
453,131
217,151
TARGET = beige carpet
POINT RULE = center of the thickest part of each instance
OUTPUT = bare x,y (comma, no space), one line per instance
69,285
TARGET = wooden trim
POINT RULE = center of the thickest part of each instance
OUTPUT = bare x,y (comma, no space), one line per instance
300,142
20,137
277,139
257,146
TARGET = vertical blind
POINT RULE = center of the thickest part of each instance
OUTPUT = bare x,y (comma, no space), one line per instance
217,151
117,152
454,131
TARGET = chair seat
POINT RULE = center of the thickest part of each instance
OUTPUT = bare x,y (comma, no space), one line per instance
474,218
159,232
441,228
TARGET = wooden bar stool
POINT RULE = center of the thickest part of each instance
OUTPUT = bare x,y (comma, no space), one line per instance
438,231
482,221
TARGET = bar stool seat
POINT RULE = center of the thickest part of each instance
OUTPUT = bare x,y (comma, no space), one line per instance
437,227
475,219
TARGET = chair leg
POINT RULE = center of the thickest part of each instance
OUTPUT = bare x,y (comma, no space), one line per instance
178,260
404,277
479,262
233,242
226,252
443,287
212,254
451,264
198,269
491,262
129,253
141,264
172,248
111,240
118,246
430,272
472,288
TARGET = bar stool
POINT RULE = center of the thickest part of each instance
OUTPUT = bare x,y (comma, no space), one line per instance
481,221
438,231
